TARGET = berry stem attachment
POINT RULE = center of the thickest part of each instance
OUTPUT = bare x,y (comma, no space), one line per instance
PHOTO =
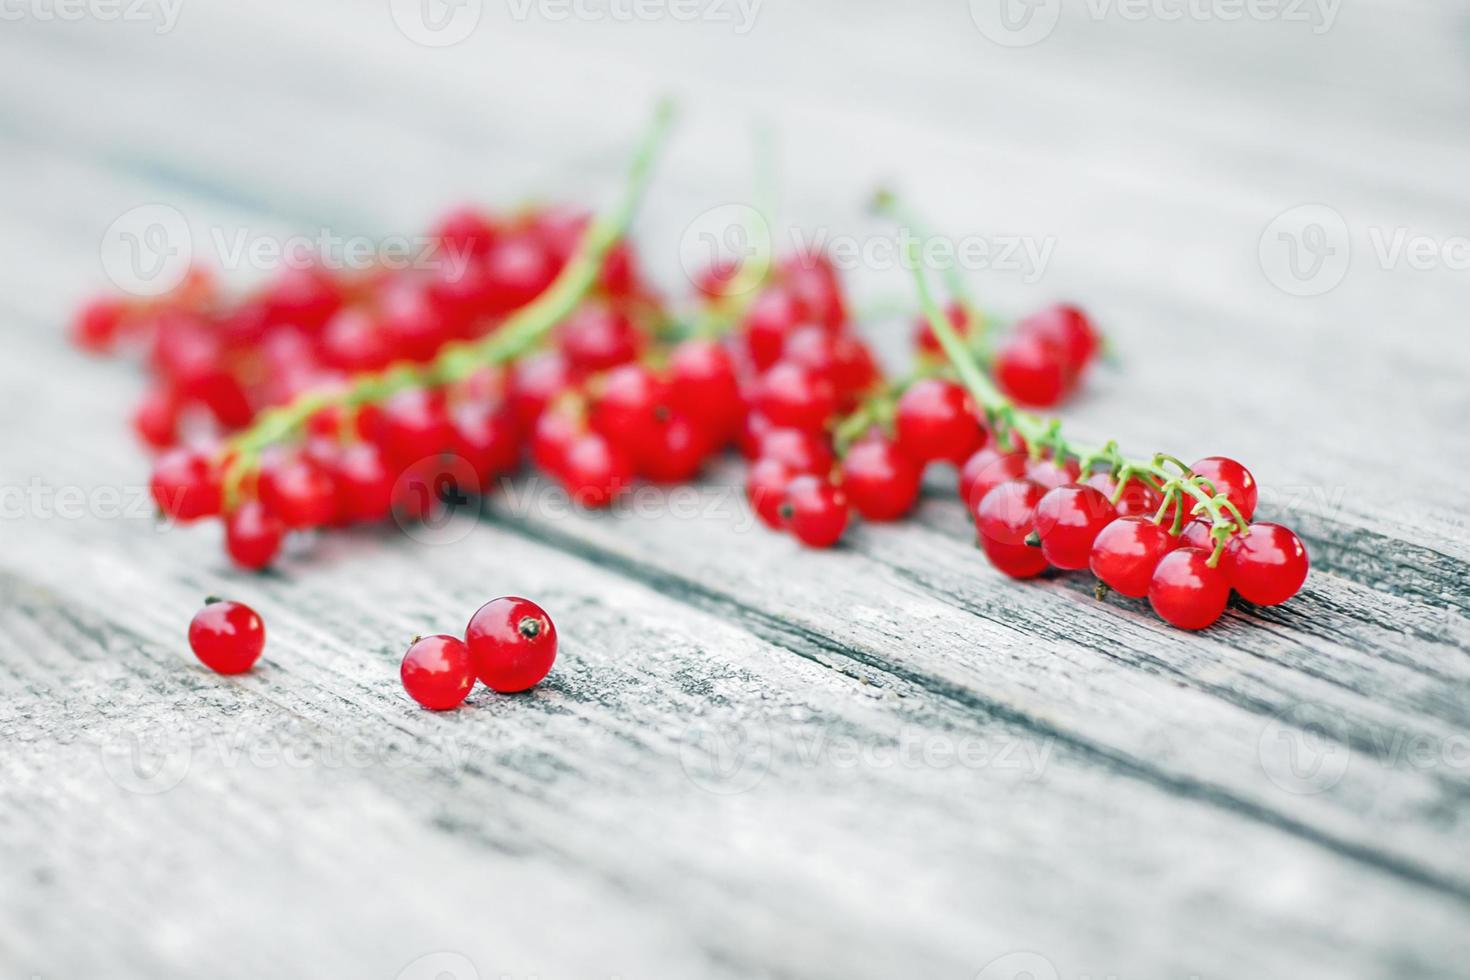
520,332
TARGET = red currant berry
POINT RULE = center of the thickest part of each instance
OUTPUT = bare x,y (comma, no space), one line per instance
771,316
597,337
1068,521
1267,564
1033,370
986,469
1007,514
555,432
1015,560
438,672
513,642
519,269
1196,534
97,324
227,637
934,422
675,452
299,491
1186,592
629,406
534,382
813,280
814,510
465,232
364,483
185,485
765,488
703,385
880,480
156,419
594,470
1049,474
1138,499
1068,328
413,424
800,451
1126,553
791,395
1231,480
925,340
353,342
305,298
253,535
485,437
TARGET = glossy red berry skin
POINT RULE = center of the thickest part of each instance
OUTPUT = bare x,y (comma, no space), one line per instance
438,672
925,341
485,437
1138,499
765,489
1068,521
1186,592
881,481
674,452
800,451
598,337
1016,560
227,637
771,316
986,469
1033,371
792,395
629,405
185,485
517,268
1007,514
1049,473
1127,551
1067,327
1231,479
703,385
464,231
1196,534
933,421
813,280
97,324
299,491
156,418
413,424
364,483
815,511
253,536
513,643
1267,564
595,470
353,341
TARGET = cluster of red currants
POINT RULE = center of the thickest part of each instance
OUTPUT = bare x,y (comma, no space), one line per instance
509,646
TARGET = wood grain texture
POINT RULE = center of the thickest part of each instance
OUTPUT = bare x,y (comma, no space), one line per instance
755,761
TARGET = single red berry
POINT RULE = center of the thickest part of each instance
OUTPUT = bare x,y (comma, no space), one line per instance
554,434
156,419
1007,514
98,323
925,340
253,535
227,637
1033,370
485,437
299,491
353,341
1068,521
771,316
1267,564
364,483
881,481
675,451
1231,480
934,421
1138,498
791,395
413,424
629,405
1186,592
1196,534
305,298
519,269
799,450
987,468
814,510
438,671
703,385
185,485
597,337
1049,473
813,280
1067,327
1127,551
594,470
765,488
465,231
1015,560
513,642
534,382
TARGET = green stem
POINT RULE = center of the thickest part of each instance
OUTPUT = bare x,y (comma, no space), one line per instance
519,333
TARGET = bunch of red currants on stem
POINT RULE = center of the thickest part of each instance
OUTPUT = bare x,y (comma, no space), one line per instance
329,399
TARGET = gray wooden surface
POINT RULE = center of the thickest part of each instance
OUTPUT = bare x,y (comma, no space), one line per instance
754,761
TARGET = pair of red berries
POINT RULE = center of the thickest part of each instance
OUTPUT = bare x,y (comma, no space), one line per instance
1041,362
509,645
